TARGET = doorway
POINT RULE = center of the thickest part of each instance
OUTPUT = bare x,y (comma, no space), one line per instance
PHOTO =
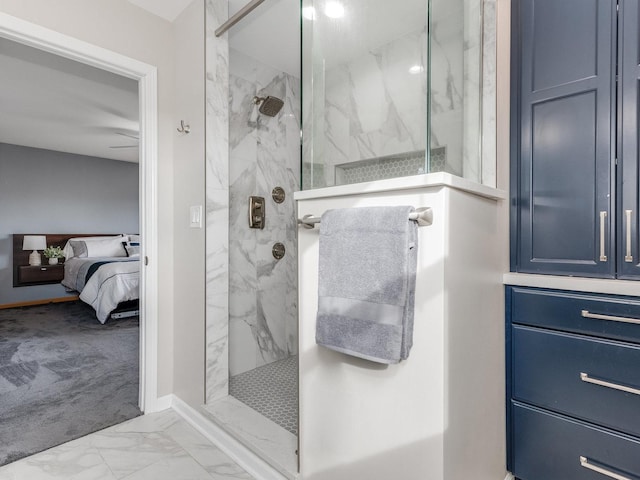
32,35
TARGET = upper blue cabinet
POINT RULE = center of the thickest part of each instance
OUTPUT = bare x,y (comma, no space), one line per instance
628,240
574,170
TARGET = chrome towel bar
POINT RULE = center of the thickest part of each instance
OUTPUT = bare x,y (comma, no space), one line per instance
422,215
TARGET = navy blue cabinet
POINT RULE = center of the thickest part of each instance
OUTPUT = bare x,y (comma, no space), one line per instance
629,80
574,138
573,385
572,358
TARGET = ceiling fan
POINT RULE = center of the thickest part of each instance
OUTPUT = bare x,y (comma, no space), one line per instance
134,137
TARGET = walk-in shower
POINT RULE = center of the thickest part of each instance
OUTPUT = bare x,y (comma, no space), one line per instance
264,172
373,109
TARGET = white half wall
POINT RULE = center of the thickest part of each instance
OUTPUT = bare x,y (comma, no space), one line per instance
439,414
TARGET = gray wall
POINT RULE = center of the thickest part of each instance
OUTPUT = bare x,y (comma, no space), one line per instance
42,191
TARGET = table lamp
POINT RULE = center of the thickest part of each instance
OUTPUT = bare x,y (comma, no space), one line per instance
35,243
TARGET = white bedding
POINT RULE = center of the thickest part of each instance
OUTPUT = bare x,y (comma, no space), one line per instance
111,284
114,281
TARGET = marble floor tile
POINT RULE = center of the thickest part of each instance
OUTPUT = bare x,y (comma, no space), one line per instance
180,467
158,422
215,462
126,453
156,446
264,437
60,463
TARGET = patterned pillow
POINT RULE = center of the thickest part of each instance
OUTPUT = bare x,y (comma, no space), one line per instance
132,246
79,248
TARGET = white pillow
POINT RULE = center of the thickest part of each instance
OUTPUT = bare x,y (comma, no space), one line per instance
106,248
68,249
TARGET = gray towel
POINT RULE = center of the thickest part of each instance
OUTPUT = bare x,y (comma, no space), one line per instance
367,280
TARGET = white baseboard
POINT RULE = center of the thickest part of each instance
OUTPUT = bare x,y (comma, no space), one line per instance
509,477
163,403
240,454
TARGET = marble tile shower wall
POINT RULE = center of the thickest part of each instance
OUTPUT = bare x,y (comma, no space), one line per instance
472,85
264,153
217,203
373,106
489,95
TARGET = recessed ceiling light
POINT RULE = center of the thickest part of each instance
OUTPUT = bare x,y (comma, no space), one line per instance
416,69
309,13
334,10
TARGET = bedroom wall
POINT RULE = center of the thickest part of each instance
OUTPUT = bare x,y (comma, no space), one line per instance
42,191
121,27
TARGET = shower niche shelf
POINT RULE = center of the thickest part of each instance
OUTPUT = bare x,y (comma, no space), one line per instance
390,166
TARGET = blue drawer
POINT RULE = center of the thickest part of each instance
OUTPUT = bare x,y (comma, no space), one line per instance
548,370
575,312
550,447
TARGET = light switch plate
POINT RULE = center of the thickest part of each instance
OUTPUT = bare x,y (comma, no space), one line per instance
195,216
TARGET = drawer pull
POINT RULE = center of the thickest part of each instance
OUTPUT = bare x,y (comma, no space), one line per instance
599,316
584,462
586,378
628,257
603,250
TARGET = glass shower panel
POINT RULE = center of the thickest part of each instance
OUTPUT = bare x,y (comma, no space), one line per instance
365,73
264,159
456,87
390,89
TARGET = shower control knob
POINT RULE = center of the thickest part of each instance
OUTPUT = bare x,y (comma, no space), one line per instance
278,250
278,194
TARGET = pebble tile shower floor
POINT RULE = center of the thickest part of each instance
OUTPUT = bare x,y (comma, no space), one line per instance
271,390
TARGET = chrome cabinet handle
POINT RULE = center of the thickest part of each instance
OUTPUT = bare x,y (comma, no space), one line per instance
584,462
613,318
603,220
603,383
628,257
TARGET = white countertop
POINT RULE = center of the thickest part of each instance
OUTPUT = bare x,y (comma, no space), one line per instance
437,179
579,284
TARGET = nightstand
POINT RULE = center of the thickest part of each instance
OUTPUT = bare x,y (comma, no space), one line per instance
39,275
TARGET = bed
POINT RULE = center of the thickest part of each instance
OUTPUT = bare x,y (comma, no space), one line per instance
105,271
103,282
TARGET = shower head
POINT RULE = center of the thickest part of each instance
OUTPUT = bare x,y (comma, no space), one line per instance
268,105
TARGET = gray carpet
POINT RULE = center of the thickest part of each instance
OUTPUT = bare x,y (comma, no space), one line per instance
63,375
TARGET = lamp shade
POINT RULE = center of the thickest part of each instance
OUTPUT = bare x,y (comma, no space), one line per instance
34,242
